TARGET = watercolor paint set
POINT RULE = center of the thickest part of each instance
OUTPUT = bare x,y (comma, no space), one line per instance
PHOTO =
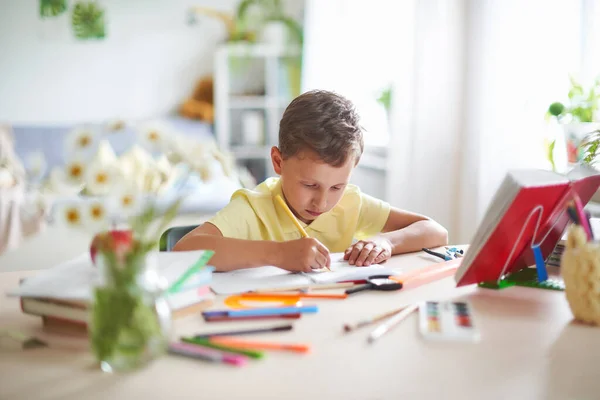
447,320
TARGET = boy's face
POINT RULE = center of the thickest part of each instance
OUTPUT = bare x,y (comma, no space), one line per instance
310,186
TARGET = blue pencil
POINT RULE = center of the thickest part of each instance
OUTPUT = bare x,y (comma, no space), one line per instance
263,311
272,311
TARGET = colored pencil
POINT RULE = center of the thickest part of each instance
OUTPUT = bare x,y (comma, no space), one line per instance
287,210
583,221
205,342
246,331
274,310
261,311
297,294
427,277
430,271
196,267
227,318
388,325
350,328
260,345
202,353
291,215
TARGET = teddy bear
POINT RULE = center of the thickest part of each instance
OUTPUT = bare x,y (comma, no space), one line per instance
201,104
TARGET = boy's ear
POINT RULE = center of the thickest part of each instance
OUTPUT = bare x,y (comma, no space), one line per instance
276,159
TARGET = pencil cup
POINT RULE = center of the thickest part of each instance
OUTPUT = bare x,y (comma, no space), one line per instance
580,268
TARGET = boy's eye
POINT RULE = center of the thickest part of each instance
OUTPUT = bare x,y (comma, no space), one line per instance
308,185
336,188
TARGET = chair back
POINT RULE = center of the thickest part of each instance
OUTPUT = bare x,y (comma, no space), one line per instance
172,235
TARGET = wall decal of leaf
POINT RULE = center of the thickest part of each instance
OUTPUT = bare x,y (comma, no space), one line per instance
52,8
87,20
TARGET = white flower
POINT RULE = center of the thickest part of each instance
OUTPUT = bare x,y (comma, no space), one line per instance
135,162
35,164
203,168
154,136
115,125
227,161
81,141
59,184
105,154
127,202
75,171
97,215
101,179
71,216
7,179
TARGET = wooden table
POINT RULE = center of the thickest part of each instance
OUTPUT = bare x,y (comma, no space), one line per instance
529,349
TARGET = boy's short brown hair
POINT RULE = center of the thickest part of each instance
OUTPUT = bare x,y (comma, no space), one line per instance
323,122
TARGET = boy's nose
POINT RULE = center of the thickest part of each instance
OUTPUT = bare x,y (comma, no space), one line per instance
320,202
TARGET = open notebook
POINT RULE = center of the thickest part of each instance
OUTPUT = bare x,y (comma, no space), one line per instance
244,280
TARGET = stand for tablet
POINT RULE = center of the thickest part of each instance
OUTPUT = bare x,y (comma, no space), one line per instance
530,277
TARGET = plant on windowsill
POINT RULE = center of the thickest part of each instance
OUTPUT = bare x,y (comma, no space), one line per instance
578,118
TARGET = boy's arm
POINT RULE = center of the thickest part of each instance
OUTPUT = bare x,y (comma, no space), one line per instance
403,232
296,255
408,232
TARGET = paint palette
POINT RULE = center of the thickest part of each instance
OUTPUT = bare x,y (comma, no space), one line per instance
447,320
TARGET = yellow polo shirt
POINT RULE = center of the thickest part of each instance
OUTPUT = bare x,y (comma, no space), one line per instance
254,215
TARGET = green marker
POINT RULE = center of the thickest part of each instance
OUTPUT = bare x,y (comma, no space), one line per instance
196,267
207,343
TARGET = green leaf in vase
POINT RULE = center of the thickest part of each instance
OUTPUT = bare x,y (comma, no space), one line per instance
87,20
52,8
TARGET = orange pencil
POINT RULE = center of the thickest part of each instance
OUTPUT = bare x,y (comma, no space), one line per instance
258,345
429,271
297,294
429,277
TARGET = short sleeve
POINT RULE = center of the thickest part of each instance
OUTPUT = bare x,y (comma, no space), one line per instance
237,219
373,215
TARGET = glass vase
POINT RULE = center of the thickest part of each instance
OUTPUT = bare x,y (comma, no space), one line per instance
130,319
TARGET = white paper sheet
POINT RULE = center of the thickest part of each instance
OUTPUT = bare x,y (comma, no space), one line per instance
245,280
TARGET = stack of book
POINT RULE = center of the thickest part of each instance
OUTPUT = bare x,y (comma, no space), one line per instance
62,295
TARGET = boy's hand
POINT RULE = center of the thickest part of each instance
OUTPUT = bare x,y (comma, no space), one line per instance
367,252
303,255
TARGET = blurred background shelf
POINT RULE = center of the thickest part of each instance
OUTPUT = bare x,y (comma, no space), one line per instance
254,83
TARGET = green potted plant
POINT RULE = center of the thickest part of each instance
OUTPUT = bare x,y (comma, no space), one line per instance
267,22
578,117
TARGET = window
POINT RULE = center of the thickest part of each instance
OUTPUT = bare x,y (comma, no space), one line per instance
349,48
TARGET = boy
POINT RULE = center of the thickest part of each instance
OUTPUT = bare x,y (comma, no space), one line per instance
320,143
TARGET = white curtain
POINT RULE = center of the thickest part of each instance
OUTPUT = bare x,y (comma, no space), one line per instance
472,80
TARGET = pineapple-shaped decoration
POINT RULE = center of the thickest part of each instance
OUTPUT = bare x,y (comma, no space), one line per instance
87,20
580,268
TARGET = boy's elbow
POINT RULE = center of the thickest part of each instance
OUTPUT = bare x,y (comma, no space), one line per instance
442,234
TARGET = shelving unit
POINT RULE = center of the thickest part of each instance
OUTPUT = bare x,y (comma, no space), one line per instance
266,93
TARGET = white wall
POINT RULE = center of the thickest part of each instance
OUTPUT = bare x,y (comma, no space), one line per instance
146,66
